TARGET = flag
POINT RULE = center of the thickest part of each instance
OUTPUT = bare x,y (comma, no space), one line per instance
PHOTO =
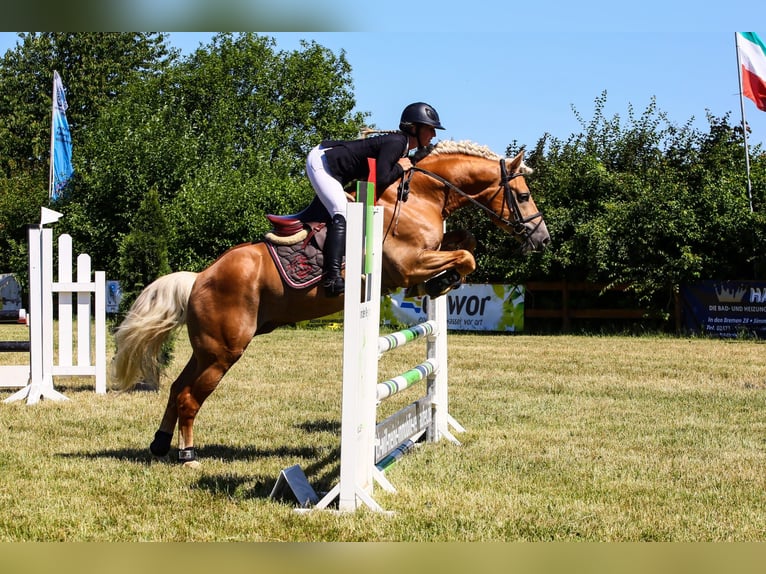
61,140
752,62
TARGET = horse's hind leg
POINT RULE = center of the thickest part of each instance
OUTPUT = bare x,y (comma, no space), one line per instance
187,393
189,401
162,438
221,320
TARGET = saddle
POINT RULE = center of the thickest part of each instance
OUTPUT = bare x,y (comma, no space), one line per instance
295,243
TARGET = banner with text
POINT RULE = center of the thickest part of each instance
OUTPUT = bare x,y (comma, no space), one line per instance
471,307
725,309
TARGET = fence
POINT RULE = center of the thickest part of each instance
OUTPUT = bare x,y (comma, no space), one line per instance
74,300
567,309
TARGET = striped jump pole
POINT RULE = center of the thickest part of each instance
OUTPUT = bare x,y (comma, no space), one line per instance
404,381
394,340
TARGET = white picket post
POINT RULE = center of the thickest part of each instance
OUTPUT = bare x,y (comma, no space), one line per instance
42,358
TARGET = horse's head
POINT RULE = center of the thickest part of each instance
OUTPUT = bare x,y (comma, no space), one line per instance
527,222
474,174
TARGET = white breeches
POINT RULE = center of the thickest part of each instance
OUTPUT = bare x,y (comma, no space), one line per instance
328,189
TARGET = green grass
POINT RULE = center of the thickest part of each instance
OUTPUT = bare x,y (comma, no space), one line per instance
569,438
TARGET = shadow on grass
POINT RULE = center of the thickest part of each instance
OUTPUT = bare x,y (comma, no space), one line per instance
322,473
323,425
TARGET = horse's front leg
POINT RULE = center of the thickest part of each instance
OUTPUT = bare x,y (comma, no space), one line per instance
438,272
458,239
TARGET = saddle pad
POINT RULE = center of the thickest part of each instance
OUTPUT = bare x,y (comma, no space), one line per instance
300,265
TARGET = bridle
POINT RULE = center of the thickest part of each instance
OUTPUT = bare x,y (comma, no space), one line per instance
518,225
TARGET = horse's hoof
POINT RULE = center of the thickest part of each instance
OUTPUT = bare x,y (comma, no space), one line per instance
188,457
415,290
161,444
443,283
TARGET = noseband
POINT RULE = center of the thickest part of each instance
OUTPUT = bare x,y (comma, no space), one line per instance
518,224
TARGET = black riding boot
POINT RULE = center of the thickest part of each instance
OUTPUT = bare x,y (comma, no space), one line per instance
334,247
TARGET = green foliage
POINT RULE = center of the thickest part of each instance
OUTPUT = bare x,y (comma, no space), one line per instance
648,204
96,68
20,200
144,251
222,135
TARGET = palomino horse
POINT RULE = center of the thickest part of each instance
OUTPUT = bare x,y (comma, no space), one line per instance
242,295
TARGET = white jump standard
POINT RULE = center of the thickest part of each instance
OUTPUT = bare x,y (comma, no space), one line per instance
365,444
77,298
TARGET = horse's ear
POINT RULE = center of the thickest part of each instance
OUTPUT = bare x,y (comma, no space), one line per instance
516,164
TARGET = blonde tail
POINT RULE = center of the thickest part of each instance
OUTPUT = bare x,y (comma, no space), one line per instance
159,309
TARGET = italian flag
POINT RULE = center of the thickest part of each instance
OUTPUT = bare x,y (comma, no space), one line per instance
752,63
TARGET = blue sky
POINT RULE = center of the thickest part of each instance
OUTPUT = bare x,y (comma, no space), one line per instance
517,83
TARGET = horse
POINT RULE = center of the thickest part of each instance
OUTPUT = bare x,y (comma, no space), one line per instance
241,294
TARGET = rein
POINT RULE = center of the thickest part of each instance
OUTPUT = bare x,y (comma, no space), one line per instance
509,198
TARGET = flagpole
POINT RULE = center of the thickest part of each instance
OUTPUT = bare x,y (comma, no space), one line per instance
53,137
744,123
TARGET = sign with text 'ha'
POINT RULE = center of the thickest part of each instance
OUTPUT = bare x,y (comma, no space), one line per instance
726,309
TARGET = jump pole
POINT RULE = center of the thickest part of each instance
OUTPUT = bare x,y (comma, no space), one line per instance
14,375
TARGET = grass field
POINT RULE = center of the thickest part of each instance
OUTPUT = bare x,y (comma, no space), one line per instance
568,438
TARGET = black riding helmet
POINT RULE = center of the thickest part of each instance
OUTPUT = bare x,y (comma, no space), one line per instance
419,113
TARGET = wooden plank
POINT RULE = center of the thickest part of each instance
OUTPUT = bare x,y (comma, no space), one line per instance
571,286
607,313
586,313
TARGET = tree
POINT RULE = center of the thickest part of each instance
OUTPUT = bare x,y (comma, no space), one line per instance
96,69
144,251
645,203
222,135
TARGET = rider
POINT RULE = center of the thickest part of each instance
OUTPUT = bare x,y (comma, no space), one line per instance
333,164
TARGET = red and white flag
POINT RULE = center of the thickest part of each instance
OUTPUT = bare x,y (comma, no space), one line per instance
752,63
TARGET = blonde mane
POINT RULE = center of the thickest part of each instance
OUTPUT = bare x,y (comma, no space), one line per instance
466,147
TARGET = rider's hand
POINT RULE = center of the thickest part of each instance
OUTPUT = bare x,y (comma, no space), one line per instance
405,163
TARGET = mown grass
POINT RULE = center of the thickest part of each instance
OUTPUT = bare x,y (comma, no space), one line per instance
569,438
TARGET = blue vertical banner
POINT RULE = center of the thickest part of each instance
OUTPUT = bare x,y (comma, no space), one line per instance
61,141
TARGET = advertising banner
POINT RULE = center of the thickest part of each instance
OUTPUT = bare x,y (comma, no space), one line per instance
725,309
113,296
471,307
10,293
